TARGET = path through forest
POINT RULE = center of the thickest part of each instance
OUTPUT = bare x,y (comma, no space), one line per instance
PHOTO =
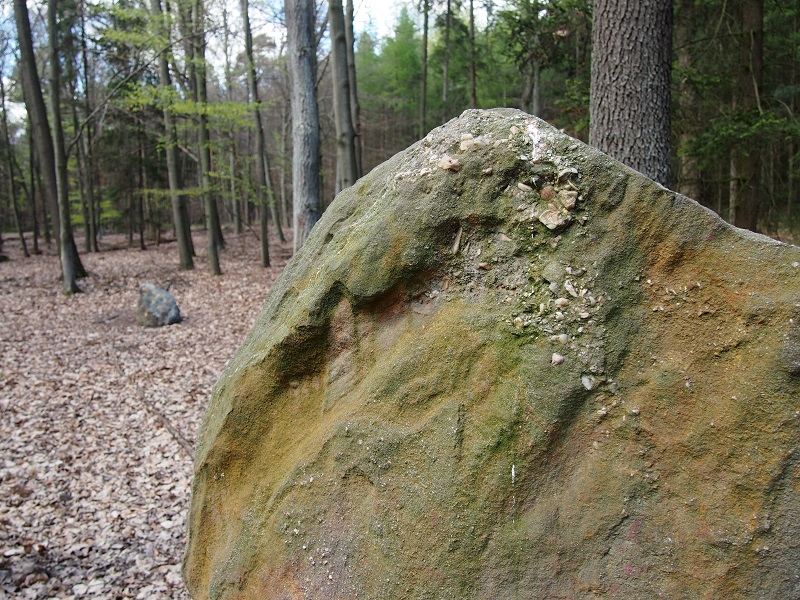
94,487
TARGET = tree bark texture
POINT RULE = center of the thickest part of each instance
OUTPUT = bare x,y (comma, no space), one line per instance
179,211
71,267
355,107
302,62
630,86
346,164
204,150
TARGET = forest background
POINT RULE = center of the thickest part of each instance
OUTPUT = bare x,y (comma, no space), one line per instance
735,93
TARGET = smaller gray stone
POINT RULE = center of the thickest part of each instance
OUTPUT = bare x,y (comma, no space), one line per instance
156,307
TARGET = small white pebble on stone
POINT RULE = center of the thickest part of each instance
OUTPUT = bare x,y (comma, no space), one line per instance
557,359
561,302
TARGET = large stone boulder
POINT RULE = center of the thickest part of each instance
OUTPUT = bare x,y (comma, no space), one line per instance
507,366
156,307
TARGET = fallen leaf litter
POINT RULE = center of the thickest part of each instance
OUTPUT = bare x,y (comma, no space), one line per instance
98,415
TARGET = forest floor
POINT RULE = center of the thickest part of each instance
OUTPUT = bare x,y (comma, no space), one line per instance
94,480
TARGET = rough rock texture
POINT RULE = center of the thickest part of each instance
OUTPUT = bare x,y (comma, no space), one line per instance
506,366
156,307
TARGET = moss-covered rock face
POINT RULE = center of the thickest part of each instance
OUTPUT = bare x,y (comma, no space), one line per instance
506,366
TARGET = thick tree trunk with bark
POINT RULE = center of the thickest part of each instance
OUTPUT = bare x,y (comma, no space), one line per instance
630,88
305,118
179,210
346,164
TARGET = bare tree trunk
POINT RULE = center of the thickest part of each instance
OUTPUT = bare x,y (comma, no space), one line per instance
263,189
346,164
71,268
179,208
235,206
34,211
37,111
212,217
473,92
446,64
423,101
689,180
12,187
305,118
630,89
747,158
86,140
355,107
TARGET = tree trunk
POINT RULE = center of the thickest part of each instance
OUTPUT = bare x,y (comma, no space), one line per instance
71,267
235,205
12,187
34,212
86,139
262,174
37,111
689,180
630,87
473,92
423,101
204,150
747,157
179,208
355,108
346,165
446,64
302,62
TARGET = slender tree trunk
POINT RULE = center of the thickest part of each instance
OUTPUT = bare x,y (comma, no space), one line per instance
473,92
212,218
346,164
262,174
12,187
237,213
37,111
536,103
86,139
747,158
179,208
143,198
305,118
423,101
689,180
71,268
630,89
355,107
34,212
446,64
36,173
